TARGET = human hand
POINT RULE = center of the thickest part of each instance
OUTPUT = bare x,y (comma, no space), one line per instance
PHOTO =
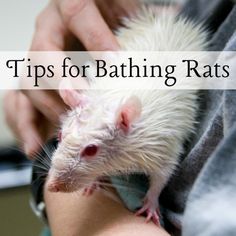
33,124
64,25
65,22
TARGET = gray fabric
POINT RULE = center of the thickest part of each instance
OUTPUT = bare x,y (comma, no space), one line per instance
211,205
222,35
200,198
209,12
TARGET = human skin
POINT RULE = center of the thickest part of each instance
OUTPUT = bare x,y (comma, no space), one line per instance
96,215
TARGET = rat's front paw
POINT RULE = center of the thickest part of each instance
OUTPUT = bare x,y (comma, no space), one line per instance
151,210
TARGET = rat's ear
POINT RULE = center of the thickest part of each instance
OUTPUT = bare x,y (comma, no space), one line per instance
71,97
128,113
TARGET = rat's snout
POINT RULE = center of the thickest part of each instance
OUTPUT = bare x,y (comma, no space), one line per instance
67,181
65,186
57,183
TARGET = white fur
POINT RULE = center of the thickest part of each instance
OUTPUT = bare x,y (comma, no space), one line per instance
156,139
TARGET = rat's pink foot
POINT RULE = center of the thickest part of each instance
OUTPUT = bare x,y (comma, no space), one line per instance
151,210
88,191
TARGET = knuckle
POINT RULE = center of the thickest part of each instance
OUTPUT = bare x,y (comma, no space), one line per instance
71,8
37,45
40,43
96,38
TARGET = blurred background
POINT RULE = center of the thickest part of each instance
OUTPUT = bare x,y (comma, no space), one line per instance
16,218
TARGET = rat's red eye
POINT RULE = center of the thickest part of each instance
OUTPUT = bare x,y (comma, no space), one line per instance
90,151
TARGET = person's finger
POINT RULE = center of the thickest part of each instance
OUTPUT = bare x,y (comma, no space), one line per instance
49,36
48,103
50,31
21,118
86,22
52,35
28,126
10,109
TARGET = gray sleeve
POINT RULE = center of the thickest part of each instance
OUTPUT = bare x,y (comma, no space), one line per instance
211,206
212,14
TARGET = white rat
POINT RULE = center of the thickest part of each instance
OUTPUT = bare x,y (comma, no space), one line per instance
114,132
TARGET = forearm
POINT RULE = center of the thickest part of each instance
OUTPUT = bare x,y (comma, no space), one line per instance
74,214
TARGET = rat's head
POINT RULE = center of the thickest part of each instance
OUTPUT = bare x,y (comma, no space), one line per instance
92,140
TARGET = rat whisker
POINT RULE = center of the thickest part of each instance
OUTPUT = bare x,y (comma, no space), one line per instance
39,180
